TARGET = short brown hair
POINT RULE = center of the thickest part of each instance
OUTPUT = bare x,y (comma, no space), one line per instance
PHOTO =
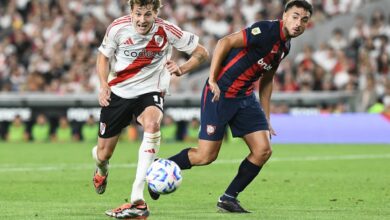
300,4
156,3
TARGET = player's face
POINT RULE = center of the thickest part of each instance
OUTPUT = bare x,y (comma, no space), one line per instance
143,18
295,21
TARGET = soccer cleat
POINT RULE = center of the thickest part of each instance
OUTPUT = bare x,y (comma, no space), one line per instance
153,195
230,206
138,210
99,182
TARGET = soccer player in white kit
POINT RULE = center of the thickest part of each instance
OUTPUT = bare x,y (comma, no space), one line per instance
138,49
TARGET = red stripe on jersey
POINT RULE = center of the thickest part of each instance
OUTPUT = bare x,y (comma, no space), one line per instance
240,81
128,17
121,20
232,61
250,74
206,90
245,38
171,28
250,89
174,31
140,62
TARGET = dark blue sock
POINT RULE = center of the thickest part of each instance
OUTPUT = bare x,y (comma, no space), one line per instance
246,173
182,160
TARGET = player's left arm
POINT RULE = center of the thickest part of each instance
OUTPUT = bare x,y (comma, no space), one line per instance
265,92
186,42
198,56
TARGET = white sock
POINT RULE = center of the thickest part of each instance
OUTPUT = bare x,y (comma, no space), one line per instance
146,154
102,166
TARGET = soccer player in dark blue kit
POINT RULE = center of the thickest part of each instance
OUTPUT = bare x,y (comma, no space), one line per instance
228,98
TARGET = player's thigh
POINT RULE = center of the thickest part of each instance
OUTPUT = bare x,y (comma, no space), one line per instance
150,115
149,110
214,116
248,119
258,142
115,117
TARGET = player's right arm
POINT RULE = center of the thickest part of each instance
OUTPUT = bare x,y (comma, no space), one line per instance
224,45
106,50
102,68
265,92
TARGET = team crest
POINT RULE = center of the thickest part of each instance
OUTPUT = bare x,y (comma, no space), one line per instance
159,40
211,129
256,31
102,128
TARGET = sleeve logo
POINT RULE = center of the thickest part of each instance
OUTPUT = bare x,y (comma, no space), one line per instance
256,31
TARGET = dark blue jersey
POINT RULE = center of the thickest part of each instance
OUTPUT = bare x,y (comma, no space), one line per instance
265,47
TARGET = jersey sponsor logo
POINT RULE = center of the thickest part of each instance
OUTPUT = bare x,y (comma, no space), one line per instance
143,53
256,31
102,128
265,65
211,129
159,40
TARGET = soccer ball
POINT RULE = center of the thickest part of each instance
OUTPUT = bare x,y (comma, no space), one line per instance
163,176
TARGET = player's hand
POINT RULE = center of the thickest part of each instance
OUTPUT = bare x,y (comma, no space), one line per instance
104,95
271,131
214,88
173,68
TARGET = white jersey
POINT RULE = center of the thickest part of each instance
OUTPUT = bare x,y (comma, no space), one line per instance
138,61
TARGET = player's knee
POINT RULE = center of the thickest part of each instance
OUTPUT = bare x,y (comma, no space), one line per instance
264,154
104,153
267,153
152,127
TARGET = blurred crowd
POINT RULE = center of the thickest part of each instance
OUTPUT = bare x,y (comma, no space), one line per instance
50,45
60,129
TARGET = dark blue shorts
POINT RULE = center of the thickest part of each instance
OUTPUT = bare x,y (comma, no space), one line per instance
244,116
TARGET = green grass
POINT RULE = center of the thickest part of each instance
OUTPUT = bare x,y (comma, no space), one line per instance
53,181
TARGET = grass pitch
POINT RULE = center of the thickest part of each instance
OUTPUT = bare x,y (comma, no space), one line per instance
53,181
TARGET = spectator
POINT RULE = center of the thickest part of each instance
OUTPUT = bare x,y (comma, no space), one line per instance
378,107
368,95
359,32
337,41
89,130
63,132
40,131
168,129
17,130
45,46
192,130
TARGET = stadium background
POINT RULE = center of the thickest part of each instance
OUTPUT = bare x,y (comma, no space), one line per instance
330,108
48,52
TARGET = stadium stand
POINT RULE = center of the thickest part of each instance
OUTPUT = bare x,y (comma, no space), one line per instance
49,47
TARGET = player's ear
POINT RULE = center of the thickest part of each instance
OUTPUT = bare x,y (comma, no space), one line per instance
284,16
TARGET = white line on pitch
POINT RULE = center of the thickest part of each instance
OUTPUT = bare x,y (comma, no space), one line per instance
56,167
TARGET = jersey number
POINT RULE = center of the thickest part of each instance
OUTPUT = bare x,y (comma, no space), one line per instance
158,101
